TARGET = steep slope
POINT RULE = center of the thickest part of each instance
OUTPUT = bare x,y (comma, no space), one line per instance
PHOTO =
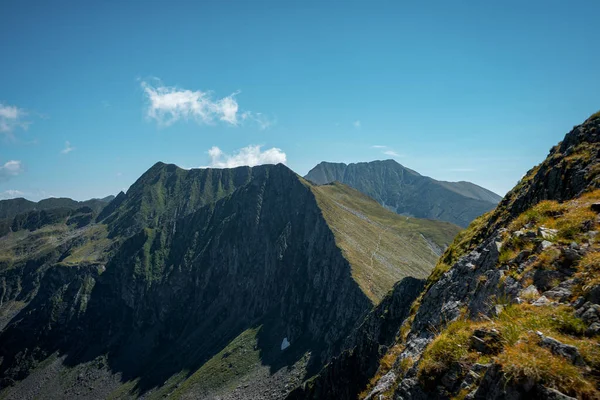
406,192
512,309
199,283
391,246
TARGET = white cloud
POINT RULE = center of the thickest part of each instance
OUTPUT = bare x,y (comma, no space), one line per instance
12,118
249,155
11,169
387,150
169,104
356,124
68,148
11,194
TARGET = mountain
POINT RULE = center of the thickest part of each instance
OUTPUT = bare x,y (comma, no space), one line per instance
406,192
512,309
239,283
10,208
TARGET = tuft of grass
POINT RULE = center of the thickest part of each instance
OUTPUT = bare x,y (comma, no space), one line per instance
450,346
546,259
588,272
525,361
540,214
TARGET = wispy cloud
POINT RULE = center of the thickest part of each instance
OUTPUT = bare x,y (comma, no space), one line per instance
11,194
11,119
250,155
387,150
10,169
169,104
68,148
356,124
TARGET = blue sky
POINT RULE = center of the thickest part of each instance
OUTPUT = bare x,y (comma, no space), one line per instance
94,93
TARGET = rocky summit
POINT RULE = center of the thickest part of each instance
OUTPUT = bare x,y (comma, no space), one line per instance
206,283
406,192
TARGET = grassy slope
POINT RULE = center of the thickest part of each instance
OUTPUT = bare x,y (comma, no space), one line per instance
522,357
381,246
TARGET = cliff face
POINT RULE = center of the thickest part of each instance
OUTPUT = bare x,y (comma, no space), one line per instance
406,192
196,282
511,310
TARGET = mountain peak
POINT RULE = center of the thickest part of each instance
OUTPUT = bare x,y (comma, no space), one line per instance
407,192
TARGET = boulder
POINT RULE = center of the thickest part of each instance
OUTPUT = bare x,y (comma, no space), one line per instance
567,351
561,293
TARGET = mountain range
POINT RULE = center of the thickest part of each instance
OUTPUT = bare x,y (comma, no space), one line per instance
196,282
406,192
256,283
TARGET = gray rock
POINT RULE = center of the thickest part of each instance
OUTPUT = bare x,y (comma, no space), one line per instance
382,385
542,301
595,207
471,378
565,350
552,394
579,302
522,256
544,245
593,294
593,329
480,368
562,292
530,292
547,233
589,313
486,341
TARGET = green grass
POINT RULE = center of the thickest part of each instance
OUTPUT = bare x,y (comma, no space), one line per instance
226,368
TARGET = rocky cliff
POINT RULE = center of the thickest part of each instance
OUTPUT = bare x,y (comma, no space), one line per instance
406,192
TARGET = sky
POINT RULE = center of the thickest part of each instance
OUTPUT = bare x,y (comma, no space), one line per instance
92,94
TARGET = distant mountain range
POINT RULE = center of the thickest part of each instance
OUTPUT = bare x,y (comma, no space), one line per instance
406,192
10,208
